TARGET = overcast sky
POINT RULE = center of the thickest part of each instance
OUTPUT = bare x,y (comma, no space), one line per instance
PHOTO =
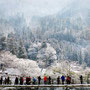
33,7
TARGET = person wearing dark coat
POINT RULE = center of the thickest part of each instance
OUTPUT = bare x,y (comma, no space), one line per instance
5,81
70,80
81,79
1,80
21,80
16,80
58,80
39,80
29,79
8,80
49,80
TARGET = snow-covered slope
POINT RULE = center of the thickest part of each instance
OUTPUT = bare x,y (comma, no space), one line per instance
14,65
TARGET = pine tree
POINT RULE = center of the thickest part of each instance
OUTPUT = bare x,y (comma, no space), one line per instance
22,51
12,44
3,42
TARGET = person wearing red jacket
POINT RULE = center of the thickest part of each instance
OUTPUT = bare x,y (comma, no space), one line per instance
27,80
45,79
68,80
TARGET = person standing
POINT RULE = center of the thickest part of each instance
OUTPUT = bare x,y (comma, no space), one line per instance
1,80
29,80
68,80
49,80
45,79
34,80
39,80
5,81
63,79
58,80
26,80
81,79
8,80
21,80
16,80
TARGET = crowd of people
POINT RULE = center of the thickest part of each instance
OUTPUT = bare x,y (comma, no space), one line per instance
5,81
46,80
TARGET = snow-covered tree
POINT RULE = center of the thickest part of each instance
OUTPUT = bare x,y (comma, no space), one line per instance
17,66
22,51
3,43
12,44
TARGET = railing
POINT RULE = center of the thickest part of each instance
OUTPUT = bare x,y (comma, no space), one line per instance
52,85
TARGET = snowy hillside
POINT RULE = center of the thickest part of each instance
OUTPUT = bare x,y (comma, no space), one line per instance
24,67
16,66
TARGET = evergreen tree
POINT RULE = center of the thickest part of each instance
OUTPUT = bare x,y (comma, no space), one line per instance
22,51
3,43
12,44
